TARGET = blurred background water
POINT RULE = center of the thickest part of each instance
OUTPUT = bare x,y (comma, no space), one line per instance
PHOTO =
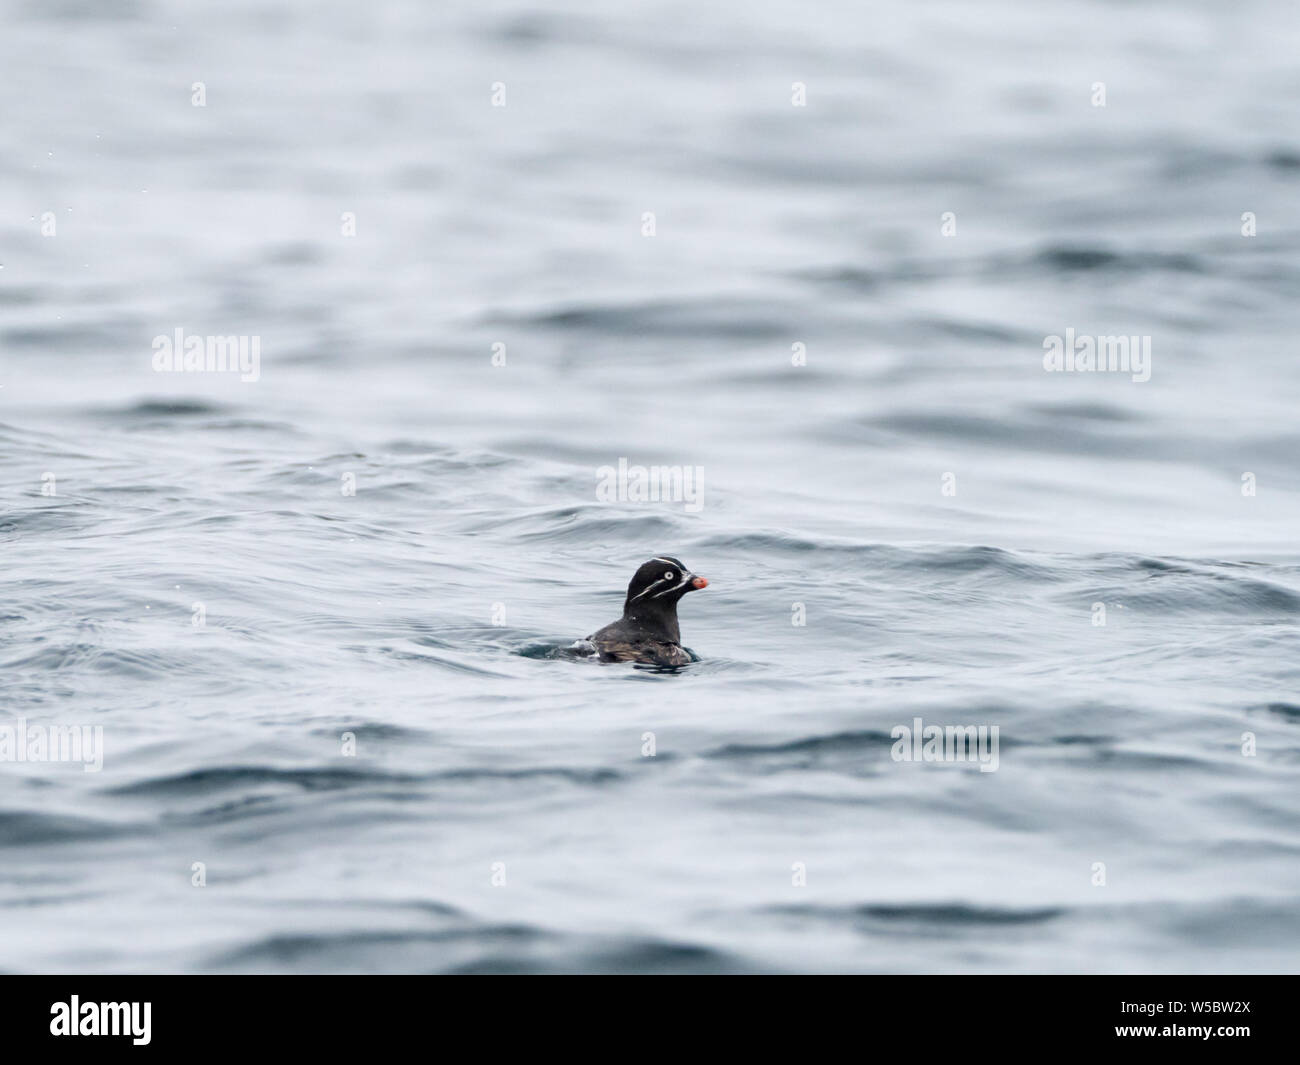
410,613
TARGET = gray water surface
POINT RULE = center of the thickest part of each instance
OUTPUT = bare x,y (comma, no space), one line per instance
943,513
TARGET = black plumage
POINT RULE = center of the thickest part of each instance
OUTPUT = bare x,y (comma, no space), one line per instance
648,631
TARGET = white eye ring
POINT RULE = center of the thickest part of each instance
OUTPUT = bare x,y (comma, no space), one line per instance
668,576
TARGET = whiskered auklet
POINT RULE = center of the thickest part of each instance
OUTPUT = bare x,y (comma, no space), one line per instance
647,632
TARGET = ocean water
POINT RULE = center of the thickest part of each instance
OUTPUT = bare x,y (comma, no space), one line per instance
315,613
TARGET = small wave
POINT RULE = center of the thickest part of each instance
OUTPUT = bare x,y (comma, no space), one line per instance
1083,258
22,827
1171,586
401,950
468,948
1283,159
839,742
936,916
568,650
922,560
1290,711
160,407
1086,412
68,516
715,317
317,778
86,656
595,524
373,730
203,781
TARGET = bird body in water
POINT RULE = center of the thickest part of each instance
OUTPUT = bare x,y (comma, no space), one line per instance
648,632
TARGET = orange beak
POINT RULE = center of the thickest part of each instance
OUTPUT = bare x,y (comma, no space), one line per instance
700,582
